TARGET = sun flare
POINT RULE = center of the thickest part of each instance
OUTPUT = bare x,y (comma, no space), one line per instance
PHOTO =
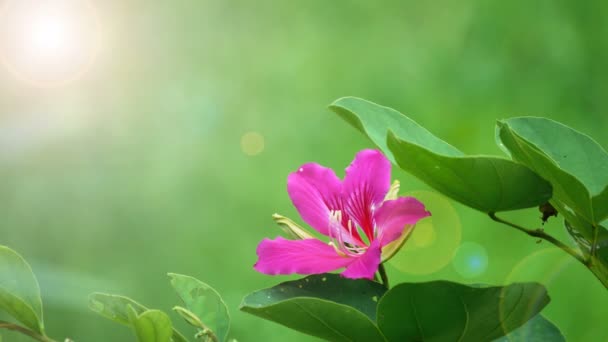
48,43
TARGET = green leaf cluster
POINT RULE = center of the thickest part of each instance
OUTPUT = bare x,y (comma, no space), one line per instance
338,309
547,162
203,308
485,183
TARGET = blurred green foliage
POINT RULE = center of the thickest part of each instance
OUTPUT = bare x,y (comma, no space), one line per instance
136,169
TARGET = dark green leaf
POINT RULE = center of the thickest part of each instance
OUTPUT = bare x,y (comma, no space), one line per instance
538,329
151,325
204,302
327,306
116,308
19,290
446,311
489,184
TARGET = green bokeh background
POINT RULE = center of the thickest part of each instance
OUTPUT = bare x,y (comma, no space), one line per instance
136,169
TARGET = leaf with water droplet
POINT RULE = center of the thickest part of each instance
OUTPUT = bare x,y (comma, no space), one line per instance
327,306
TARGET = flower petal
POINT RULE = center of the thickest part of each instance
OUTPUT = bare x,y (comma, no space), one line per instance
367,181
308,256
393,216
315,191
366,265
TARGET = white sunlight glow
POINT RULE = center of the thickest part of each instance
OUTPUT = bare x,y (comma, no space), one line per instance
48,42
49,36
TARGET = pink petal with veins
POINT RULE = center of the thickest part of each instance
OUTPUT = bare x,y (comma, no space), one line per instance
309,256
394,215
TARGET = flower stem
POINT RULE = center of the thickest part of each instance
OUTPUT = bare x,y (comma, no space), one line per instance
25,331
539,233
383,276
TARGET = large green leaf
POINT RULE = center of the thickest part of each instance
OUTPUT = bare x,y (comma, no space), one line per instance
538,329
577,168
116,308
572,162
19,290
151,325
327,306
489,184
204,302
445,311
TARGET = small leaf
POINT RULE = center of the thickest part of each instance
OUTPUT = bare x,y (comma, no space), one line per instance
445,311
538,329
151,325
19,290
116,308
189,317
489,184
326,306
204,302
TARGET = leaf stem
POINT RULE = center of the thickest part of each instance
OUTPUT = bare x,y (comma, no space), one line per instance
539,233
25,331
383,275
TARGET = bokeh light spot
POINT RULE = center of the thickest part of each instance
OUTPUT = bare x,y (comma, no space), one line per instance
546,266
48,43
434,240
252,143
470,260
425,235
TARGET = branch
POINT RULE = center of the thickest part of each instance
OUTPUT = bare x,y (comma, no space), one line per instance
539,233
25,331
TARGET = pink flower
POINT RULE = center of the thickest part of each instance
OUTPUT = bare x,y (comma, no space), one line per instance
354,213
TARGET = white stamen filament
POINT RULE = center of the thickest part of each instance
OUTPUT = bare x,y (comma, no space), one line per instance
336,234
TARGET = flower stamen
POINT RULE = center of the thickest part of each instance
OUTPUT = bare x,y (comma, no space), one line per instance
343,244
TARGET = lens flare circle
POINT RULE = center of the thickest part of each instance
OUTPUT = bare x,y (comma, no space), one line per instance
252,143
433,241
544,266
470,260
48,43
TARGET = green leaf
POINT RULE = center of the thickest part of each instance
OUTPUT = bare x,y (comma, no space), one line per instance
577,168
151,325
204,302
446,311
116,308
489,184
538,329
326,306
375,121
19,290
572,162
